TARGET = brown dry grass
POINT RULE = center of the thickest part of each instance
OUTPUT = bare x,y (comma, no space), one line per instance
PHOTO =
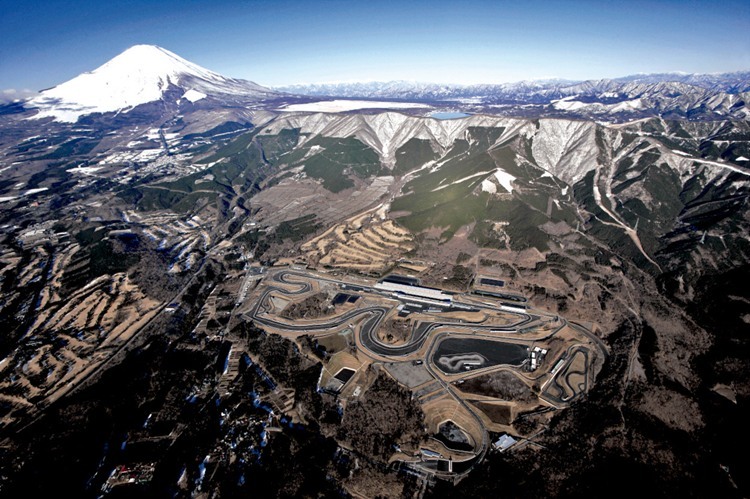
362,243
104,314
497,412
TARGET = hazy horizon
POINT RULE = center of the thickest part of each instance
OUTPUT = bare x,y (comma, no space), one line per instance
289,42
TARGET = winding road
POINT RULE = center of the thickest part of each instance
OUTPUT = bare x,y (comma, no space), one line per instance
298,283
368,330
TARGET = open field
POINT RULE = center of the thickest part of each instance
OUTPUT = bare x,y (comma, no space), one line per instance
297,197
498,413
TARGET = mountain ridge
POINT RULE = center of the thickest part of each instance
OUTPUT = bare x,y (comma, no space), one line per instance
730,82
691,96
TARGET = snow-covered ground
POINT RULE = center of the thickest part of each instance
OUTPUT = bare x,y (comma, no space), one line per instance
85,170
27,193
340,106
570,104
193,95
505,179
479,174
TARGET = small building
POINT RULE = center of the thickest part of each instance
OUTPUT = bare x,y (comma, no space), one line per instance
429,454
419,294
504,443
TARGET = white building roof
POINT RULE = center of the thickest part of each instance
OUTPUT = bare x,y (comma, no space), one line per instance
434,294
504,442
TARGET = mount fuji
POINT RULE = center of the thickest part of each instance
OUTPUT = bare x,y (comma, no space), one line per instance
142,74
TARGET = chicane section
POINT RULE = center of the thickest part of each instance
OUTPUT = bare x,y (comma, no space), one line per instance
368,330
570,377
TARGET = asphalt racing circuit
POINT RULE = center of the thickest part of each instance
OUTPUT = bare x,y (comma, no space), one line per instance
459,350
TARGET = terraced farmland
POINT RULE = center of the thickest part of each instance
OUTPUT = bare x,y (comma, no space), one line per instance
360,244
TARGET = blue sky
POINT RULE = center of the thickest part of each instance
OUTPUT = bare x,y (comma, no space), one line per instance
281,42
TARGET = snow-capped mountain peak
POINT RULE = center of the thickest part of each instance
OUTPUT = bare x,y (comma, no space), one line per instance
152,61
139,75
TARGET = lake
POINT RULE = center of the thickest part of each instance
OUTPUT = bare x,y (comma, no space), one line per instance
448,116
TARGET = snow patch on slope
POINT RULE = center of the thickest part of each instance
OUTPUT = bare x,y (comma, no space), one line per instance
567,149
570,104
29,192
626,106
193,95
505,179
478,174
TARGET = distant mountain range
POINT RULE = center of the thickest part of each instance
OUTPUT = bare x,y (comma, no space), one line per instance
674,95
735,82
149,75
